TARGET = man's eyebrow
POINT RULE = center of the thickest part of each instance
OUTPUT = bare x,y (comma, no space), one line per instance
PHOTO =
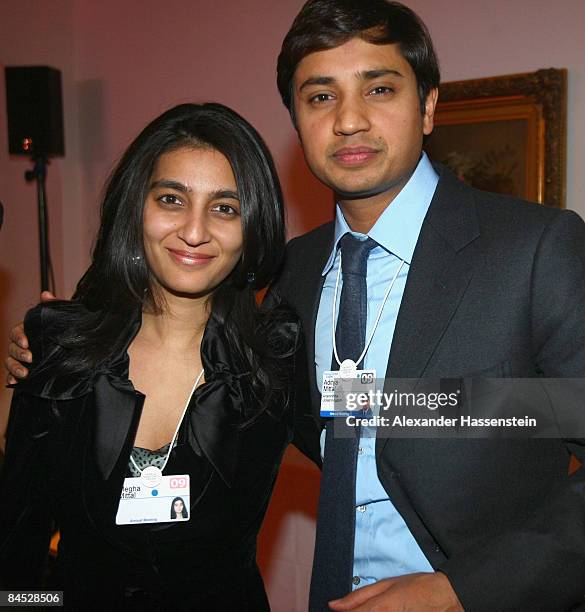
168,184
368,75
317,80
365,75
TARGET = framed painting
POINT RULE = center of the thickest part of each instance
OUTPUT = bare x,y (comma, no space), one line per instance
505,134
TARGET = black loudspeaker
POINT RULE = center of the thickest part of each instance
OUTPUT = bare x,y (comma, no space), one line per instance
35,111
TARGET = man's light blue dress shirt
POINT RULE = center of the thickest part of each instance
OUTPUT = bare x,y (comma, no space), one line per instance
384,546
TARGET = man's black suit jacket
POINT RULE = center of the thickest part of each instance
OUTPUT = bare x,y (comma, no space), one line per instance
496,288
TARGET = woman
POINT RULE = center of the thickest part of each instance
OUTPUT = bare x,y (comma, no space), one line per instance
178,510
161,366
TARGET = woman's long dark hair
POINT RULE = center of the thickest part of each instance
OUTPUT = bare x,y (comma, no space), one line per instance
184,513
118,280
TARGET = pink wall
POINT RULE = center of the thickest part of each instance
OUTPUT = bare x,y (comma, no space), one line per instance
477,38
125,62
174,52
42,37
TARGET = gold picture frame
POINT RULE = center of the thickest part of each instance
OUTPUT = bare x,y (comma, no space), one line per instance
506,134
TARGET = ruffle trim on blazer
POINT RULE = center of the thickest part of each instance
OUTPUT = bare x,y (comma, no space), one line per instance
215,413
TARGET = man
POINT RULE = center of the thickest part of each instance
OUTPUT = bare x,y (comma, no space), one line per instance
465,283
484,286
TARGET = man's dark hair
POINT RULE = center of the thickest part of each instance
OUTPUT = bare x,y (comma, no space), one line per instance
326,24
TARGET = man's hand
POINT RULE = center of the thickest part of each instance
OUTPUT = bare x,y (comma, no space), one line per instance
18,354
18,349
410,593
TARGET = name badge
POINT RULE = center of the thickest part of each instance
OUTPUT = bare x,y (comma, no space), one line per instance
166,502
341,387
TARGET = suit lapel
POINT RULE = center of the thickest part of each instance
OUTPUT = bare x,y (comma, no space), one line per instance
443,264
316,289
307,296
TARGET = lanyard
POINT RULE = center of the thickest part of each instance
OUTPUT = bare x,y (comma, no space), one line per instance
151,469
349,364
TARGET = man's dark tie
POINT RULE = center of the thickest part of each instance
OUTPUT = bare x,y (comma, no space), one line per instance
333,561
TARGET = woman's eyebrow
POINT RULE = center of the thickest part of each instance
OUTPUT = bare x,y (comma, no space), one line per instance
168,184
177,186
224,193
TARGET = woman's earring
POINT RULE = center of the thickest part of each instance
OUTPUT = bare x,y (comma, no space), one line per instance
136,259
251,277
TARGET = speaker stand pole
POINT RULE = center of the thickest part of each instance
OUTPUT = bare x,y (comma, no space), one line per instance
39,173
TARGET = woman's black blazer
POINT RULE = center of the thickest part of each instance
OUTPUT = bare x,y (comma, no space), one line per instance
68,447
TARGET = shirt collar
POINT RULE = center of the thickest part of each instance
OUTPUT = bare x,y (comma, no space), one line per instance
398,227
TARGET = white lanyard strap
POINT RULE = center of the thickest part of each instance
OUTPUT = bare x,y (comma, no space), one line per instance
176,430
377,318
